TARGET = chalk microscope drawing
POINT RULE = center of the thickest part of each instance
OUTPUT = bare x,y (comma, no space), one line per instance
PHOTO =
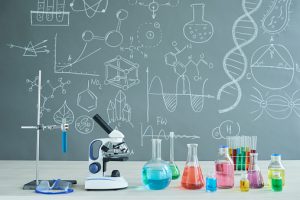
133,48
235,63
121,73
198,30
154,5
31,49
276,106
84,124
149,34
180,68
226,128
277,17
148,131
48,91
87,100
276,61
50,13
90,7
118,110
64,115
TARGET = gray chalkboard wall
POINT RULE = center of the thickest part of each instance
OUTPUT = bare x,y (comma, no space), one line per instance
204,69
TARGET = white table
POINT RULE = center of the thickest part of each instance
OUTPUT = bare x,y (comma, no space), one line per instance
13,174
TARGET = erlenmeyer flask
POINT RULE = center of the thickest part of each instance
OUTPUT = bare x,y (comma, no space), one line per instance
254,174
156,174
192,177
173,166
198,30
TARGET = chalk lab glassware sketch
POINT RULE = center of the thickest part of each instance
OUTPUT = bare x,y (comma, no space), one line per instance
156,173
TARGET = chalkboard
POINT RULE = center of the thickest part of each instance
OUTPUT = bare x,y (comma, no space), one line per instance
205,69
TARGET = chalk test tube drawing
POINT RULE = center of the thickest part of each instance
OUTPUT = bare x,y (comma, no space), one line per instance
198,30
90,7
277,17
235,63
148,131
121,73
32,49
67,67
154,5
113,38
275,60
87,100
170,99
64,115
276,106
84,124
171,59
50,13
133,48
226,128
48,91
118,110
149,34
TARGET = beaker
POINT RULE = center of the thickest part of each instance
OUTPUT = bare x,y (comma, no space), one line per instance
156,173
198,30
254,174
224,168
173,166
192,177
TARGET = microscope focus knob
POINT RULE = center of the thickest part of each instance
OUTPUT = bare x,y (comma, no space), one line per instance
95,167
115,173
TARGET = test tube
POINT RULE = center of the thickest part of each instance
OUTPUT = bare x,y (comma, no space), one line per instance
234,151
248,149
254,143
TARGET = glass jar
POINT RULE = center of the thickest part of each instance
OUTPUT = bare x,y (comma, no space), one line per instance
276,166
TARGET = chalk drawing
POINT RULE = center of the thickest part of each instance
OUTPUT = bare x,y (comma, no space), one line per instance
31,49
90,7
198,30
235,62
149,34
133,48
226,128
50,13
64,115
84,124
87,100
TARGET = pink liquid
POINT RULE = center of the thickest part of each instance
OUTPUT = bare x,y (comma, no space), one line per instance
225,175
255,178
192,178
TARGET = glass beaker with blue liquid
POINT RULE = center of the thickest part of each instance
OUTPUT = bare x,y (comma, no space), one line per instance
156,173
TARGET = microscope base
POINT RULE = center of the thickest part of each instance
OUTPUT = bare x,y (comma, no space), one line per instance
105,183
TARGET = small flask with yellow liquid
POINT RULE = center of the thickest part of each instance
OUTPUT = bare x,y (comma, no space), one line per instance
244,183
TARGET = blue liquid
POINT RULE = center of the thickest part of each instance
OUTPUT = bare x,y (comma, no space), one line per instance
156,178
211,184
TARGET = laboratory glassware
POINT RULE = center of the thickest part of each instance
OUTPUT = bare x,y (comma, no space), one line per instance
254,174
224,169
192,177
173,166
276,181
244,183
156,173
276,166
211,183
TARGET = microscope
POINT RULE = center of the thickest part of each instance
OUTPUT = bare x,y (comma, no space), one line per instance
101,151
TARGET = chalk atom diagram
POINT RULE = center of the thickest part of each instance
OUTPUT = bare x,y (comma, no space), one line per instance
48,91
87,100
235,62
50,13
121,73
149,34
31,49
90,7
225,129
154,5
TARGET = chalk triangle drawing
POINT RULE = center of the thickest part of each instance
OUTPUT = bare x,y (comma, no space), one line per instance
29,50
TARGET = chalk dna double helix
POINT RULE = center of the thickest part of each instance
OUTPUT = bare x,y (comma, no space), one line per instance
235,63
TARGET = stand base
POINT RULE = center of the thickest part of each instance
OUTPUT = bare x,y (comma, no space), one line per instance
32,184
105,183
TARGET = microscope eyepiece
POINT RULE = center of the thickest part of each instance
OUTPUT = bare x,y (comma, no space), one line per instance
103,124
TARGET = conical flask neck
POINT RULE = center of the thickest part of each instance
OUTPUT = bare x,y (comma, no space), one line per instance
156,149
192,154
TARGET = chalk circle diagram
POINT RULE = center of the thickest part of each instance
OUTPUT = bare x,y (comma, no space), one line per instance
276,106
84,124
226,128
90,7
277,17
272,60
149,34
64,115
198,30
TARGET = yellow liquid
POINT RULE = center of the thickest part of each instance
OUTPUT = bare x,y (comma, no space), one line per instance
270,173
244,185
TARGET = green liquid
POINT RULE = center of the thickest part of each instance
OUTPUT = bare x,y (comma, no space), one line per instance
276,184
175,171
